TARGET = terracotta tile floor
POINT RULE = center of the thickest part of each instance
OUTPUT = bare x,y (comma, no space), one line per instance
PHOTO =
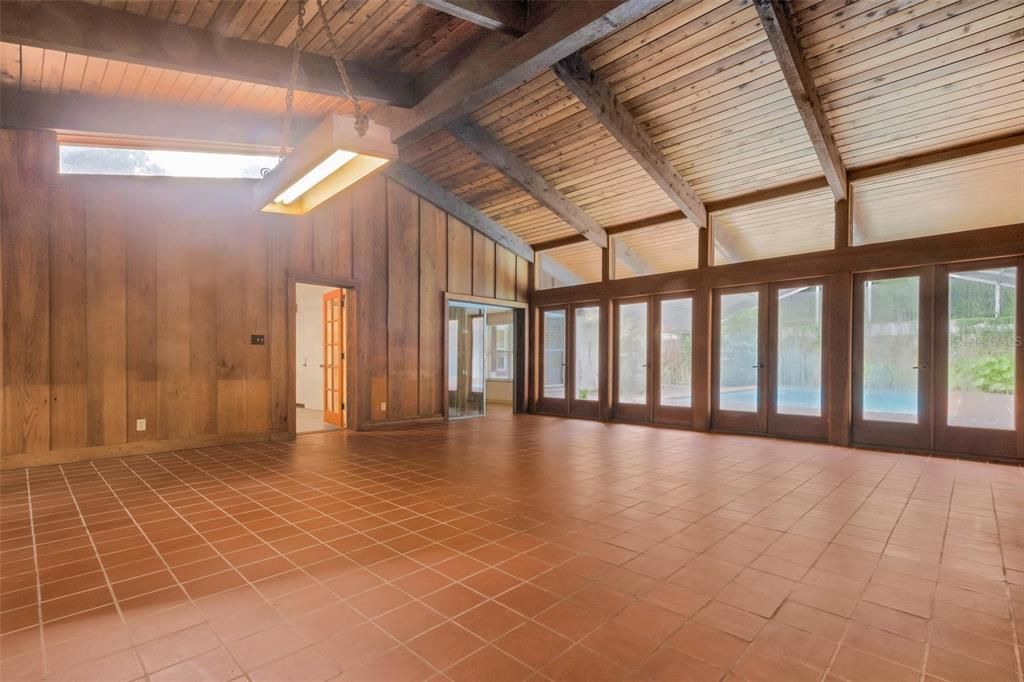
512,548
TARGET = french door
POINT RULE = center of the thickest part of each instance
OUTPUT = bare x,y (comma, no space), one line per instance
553,388
936,358
571,359
768,346
653,352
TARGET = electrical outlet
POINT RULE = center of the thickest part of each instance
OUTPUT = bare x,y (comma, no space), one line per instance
383,407
140,424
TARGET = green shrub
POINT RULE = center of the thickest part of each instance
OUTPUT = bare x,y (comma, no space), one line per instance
993,374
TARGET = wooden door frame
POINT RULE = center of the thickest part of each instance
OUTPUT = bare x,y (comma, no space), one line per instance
896,434
662,414
351,287
794,425
520,321
987,442
632,412
734,420
587,409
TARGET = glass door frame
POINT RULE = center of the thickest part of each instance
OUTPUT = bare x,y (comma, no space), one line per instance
668,414
896,434
995,442
633,412
735,420
544,403
590,409
795,425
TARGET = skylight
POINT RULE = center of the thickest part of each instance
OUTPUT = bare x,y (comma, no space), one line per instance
91,160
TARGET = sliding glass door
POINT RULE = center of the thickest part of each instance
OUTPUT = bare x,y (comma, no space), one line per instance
466,377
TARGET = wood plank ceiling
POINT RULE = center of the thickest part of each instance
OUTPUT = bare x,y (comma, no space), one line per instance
700,78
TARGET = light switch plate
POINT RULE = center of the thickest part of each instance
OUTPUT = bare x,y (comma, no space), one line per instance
140,424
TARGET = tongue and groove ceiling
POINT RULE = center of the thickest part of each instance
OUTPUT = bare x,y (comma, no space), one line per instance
895,78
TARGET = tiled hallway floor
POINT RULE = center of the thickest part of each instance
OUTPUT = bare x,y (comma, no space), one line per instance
514,547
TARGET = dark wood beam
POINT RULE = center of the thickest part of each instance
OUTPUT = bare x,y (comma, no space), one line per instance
506,16
138,118
495,154
406,175
595,94
96,31
572,26
778,25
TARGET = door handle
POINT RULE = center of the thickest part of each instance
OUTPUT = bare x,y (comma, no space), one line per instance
761,366
921,368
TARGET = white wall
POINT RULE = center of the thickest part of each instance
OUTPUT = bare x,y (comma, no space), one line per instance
309,345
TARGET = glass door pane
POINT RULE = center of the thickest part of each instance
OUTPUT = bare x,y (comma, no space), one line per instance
586,349
739,356
890,336
553,381
798,351
466,380
632,353
981,368
675,357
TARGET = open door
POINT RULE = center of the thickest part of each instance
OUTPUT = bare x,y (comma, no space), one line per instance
334,357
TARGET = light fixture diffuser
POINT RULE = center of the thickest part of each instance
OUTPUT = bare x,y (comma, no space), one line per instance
331,158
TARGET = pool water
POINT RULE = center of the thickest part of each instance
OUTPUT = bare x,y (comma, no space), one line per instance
805,400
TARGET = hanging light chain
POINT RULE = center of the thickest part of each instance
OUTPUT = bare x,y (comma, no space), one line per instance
362,120
289,98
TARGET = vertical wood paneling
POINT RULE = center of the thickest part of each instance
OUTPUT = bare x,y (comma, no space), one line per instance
116,308
203,326
433,278
505,274
232,337
483,265
67,321
370,245
26,322
173,310
279,239
460,257
105,321
255,358
140,323
522,279
403,302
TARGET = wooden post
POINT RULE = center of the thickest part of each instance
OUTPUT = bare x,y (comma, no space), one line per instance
838,368
702,359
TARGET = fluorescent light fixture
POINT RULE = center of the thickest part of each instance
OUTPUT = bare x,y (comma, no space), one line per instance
330,159
321,171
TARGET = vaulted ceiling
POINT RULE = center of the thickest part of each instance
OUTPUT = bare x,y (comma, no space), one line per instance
653,107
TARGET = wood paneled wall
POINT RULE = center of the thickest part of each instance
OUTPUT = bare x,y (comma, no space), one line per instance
135,298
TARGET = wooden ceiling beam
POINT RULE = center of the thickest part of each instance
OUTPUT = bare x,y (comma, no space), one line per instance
408,176
116,117
597,96
504,16
494,153
81,28
572,26
778,25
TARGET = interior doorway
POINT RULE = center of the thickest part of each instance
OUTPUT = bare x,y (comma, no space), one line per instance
481,359
320,354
